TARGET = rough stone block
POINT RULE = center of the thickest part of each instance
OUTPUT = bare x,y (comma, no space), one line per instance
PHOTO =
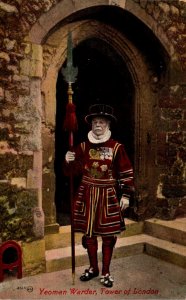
172,114
34,268
36,68
38,226
175,137
165,7
4,56
16,78
143,3
30,255
174,10
37,52
174,190
9,44
36,64
34,261
25,67
48,196
150,7
5,148
15,166
19,181
32,178
9,96
52,228
1,93
8,8
48,145
159,191
27,48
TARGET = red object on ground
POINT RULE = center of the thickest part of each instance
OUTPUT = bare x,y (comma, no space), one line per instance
8,264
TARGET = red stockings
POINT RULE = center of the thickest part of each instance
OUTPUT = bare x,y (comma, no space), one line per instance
92,247
107,249
91,244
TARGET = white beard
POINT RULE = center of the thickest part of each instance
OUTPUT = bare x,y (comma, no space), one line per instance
95,139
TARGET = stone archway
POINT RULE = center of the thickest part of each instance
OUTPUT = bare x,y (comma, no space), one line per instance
66,8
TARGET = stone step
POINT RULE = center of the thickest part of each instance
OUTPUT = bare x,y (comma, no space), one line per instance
58,259
173,231
63,238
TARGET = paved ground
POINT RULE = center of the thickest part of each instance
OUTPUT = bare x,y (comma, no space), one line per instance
136,277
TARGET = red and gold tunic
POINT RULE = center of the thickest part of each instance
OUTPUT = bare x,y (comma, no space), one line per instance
104,167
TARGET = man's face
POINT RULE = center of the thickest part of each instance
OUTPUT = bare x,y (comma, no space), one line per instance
99,125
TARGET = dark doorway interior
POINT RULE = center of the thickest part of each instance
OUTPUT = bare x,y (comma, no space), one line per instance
102,77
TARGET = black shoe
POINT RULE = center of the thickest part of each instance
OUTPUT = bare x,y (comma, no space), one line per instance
88,275
107,280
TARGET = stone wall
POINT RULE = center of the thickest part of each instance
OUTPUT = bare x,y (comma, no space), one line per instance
171,152
170,16
22,112
20,120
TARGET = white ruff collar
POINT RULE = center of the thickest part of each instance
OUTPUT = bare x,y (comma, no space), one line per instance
99,139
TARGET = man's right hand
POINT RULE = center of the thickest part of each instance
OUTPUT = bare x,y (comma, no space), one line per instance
70,156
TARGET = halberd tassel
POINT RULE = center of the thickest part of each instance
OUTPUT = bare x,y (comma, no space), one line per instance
70,122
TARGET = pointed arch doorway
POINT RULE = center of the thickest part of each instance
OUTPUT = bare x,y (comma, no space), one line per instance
103,77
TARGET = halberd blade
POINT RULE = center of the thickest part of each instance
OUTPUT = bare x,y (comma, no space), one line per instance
69,72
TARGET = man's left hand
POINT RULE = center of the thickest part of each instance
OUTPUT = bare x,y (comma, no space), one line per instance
124,203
